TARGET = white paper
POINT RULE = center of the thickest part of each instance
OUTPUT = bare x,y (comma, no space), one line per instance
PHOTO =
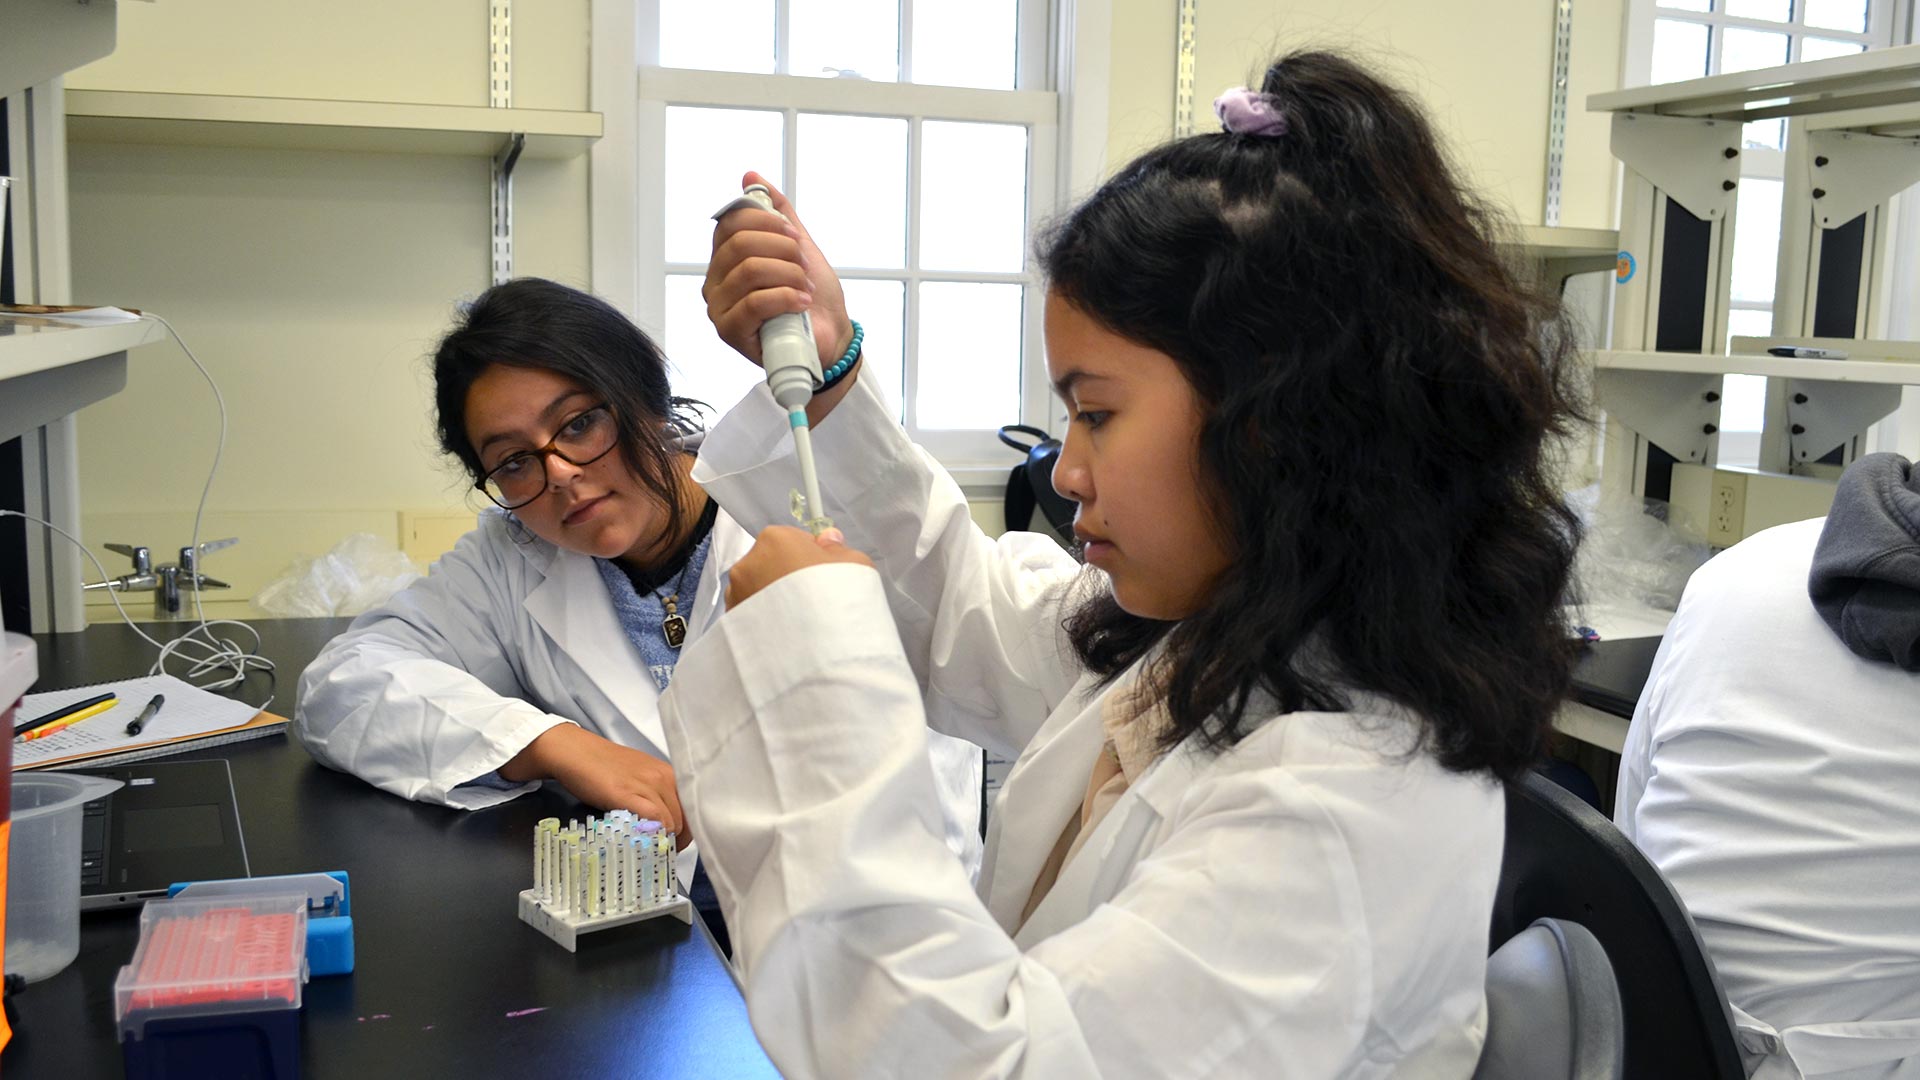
188,711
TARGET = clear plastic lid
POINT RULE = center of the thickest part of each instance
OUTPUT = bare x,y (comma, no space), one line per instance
213,957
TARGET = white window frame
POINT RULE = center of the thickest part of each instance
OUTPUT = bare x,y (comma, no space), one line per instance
1064,49
1888,23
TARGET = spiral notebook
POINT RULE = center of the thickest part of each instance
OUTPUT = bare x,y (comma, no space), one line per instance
191,719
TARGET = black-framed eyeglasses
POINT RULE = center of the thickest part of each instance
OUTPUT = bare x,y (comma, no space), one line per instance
585,438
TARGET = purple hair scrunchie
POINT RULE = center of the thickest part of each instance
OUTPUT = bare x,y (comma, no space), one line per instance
1250,112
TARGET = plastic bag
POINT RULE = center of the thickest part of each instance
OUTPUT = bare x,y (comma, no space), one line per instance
1632,553
361,572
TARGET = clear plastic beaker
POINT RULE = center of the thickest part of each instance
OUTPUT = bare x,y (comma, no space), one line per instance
43,870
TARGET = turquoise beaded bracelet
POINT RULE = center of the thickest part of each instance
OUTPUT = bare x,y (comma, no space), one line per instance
845,364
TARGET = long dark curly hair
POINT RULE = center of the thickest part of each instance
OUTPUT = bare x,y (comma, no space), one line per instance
1380,390
535,323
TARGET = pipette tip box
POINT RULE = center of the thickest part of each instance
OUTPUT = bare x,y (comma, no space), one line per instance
214,989
329,900
610,871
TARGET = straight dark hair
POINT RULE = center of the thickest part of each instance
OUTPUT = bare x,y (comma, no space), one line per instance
1380,388
535,323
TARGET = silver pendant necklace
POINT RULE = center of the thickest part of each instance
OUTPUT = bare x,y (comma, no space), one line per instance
673,627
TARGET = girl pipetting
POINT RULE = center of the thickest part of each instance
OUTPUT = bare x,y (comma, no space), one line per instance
1256,820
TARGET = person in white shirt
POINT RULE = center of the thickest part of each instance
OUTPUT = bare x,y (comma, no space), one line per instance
539,646
1772,772
1255,823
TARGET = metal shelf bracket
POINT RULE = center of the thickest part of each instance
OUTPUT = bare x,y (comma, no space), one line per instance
500,96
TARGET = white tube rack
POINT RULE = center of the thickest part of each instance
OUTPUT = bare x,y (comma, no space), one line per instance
608,872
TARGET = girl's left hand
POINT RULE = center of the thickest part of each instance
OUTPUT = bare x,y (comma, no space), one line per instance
779,550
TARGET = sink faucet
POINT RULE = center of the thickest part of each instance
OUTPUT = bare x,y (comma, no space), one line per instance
167,580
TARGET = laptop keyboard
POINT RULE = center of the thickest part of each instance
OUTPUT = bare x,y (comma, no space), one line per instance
93,844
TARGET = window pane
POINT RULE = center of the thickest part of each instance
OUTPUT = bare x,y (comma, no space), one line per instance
880,307
1743,398
1747,322
969,365
1756,240
849,39
719,35
707,152
852,188
1679,50
1848,15
1814,48
965,44
1773,10
973,196
704,367
1745,50
1686,5
1764,135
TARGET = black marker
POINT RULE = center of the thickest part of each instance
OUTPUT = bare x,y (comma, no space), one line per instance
1802,352
146,714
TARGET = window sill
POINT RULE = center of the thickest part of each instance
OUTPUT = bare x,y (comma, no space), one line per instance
981,481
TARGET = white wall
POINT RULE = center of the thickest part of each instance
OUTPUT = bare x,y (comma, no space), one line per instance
311,283
1481,69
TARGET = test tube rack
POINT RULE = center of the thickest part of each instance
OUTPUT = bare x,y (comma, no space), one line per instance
606,872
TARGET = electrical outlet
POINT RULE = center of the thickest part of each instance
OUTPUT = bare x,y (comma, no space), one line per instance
1727,509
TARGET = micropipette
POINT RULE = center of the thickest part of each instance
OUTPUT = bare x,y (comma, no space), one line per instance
792,363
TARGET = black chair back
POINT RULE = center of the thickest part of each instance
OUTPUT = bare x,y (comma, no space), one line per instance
1565,861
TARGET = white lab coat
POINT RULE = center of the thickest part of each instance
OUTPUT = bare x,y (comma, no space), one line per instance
1774,777
1313,903
505,637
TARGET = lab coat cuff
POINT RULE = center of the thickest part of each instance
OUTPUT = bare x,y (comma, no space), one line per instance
744,438
858,446
477,795
824,618
484,760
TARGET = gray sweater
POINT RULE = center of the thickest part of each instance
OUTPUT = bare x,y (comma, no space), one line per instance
1865,580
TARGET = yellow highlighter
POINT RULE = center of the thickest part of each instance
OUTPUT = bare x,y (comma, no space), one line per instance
66,722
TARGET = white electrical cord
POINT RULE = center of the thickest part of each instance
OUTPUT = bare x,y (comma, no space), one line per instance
203,652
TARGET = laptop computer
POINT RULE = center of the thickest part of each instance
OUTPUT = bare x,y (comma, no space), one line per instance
173,821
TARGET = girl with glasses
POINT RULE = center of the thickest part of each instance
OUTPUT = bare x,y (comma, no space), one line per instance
538,648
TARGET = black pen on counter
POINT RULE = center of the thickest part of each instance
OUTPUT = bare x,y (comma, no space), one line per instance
146,714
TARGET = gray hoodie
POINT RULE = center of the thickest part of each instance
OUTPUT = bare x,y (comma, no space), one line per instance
1865,580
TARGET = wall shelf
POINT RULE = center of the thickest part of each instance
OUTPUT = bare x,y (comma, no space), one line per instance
119,116
40,342
49,369
1876,78
1561,252
1559,242
1883,370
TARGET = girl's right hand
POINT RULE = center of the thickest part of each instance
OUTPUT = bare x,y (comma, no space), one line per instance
603,774
762,267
